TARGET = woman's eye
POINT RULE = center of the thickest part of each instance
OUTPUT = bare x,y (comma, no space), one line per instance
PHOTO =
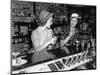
75,21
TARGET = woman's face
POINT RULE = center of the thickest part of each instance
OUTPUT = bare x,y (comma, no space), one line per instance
74,21
49,22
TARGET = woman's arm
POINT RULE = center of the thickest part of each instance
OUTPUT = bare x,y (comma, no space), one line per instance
63,42
42,47
71,33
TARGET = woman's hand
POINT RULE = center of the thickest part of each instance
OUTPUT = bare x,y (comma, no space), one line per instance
72,31
53,40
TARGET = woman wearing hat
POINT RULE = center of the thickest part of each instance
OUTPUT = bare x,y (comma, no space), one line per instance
72,29
73,22
42,37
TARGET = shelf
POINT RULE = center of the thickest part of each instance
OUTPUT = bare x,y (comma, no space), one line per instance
23,19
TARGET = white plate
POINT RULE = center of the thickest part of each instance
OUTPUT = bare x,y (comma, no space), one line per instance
18,62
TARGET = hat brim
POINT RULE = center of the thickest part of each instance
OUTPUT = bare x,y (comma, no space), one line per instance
77,17
47,17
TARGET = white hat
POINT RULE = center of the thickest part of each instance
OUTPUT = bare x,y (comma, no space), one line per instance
75,15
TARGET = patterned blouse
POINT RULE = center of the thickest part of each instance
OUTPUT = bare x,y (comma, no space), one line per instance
65,32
